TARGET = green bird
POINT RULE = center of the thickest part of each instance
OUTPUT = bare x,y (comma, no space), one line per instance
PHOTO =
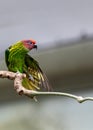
18,60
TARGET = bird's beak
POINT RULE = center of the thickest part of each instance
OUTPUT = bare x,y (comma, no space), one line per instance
35,46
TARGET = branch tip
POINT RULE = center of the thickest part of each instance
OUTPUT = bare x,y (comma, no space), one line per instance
18,77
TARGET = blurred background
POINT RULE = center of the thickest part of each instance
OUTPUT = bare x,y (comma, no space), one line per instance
63,30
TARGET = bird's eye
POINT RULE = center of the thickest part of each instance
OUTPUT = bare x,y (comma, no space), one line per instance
30,42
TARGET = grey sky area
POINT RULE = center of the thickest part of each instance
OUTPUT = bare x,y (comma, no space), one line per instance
44,20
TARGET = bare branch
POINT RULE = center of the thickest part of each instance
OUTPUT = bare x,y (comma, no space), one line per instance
18,77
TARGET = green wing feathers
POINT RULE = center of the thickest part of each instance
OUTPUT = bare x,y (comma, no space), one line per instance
35,78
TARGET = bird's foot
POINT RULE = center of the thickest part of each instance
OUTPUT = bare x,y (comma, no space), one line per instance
31,77
17,72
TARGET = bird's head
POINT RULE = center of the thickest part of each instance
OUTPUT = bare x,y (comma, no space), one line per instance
29,44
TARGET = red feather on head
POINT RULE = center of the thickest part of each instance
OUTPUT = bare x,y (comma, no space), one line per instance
29,44
33,41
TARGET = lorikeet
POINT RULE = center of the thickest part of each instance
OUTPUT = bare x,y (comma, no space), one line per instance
18,60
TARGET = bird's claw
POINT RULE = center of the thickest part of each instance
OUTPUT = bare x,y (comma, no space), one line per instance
31,77
17,72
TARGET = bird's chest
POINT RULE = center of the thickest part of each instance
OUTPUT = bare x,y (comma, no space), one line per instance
16,64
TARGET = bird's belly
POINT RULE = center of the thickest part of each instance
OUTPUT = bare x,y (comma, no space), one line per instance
15,66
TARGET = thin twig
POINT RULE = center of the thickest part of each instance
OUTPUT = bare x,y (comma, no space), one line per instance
18,77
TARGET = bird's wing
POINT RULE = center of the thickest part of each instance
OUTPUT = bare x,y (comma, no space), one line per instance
35,77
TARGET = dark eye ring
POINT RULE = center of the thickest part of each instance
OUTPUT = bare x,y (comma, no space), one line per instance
30,42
